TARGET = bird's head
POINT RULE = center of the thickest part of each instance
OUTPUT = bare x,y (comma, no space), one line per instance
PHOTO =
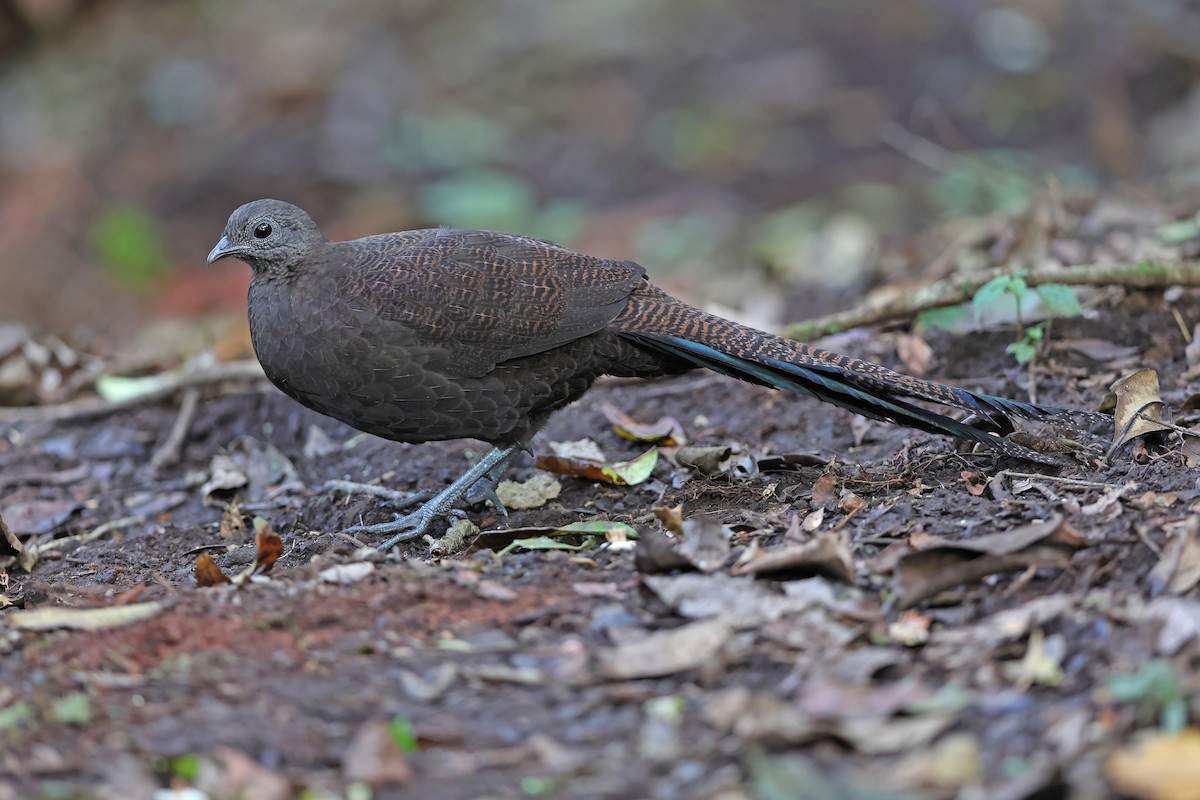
270,235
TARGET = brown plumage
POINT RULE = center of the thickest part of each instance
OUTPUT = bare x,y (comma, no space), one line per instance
444,334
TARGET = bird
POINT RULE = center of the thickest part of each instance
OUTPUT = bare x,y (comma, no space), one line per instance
442,333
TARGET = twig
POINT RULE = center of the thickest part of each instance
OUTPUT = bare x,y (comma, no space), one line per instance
961,288
170,450
1187,335
1140,530
1058,479
92,535
245,371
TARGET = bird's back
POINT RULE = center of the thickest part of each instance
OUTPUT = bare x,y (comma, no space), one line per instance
437,333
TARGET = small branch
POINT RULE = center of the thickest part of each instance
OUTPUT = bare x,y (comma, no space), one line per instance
961,288
245,371
171,449
88,536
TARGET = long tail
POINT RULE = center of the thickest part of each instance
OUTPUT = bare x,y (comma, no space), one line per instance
660,322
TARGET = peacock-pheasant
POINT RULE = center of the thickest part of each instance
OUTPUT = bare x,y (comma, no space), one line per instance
444,334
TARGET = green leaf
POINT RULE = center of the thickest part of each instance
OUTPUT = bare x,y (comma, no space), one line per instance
15,716
598,527
1017,286
949,318
543,543
403,735
75,708
1059,300
451,140
634,471
1179,231
537,786
129,244
186,766
1023,351
483,198
988,294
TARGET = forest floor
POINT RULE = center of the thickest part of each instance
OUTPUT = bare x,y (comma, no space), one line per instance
935,623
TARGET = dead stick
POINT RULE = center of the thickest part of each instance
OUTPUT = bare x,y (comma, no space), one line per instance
245,371
961,288
171,449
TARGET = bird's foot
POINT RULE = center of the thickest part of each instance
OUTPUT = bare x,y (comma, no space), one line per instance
406,526
391,496
484,490
476,484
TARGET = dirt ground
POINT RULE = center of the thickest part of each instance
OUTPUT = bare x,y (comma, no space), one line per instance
598,672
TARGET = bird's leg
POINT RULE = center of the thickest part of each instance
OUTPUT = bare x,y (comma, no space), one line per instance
485,488
411,525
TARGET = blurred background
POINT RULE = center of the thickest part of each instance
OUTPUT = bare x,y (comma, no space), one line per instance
775,157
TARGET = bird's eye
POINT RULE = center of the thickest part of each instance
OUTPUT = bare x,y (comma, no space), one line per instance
262,230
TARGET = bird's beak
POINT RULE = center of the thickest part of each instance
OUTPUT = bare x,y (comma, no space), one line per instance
223,249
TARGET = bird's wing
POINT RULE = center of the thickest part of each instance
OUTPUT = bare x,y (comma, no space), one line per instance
482,298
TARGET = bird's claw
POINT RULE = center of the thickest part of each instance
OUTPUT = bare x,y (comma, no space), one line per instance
484,490
404,526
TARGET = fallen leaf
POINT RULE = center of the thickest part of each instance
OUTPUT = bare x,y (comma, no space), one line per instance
207,572
671,518
1191,452
742,602
826,554
540,543
915,352
579,450
232,524
976,483
494,590
823,698
346,574
254,469
533,493
82,619
778,462
10,545
666,652
579,534
268,546
824,491
666,431
621,473
232,773
431,685
317,443
656,554
1100,350
1139,407
910,630
952,762
850,504
1110,499
39,516
1042,663
374,757
707,460
1160,766
895,735
704,543
1180,620
943,564
957,647
1178,568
